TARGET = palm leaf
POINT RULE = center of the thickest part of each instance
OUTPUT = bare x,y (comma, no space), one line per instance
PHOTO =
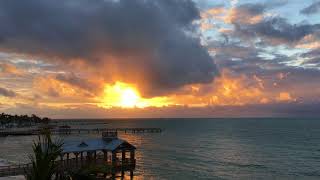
43,160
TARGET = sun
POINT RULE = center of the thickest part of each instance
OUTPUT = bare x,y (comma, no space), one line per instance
126,95
121,95
129,98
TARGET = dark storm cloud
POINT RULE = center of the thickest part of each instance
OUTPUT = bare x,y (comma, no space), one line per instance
277,30
312,57
152,40
250,23
312,54
252,9
7,93
72,79
246,59
311,9
259,8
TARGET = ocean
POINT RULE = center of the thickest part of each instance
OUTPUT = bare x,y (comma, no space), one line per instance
246,148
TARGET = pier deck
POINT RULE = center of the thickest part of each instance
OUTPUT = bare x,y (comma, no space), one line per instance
70,164
79,131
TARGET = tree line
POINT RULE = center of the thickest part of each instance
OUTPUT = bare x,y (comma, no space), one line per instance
9,121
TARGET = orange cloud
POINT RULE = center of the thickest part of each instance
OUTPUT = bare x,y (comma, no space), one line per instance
233,15
57,91
282,75
213,12
242,16
225,90
285,96
209,15
309,42
9,69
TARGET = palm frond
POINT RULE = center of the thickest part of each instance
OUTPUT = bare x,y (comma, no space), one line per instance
43,160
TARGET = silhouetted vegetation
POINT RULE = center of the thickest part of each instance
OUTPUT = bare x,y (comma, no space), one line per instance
43,159
9,121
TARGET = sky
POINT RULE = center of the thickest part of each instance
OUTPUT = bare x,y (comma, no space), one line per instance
160,58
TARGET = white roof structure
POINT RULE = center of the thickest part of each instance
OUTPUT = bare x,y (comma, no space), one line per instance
96,144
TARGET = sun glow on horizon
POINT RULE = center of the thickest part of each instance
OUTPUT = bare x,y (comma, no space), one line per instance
127,96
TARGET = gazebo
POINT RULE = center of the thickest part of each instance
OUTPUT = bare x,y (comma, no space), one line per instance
108,150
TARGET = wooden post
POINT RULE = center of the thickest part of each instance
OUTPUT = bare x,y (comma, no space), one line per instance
132,158
105,155
122,173
123,157
61,158
67,159
88,156
131,174
81,158
76,154
114,158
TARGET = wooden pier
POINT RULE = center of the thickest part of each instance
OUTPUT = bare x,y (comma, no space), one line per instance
70,164
68,131
14,170
113,154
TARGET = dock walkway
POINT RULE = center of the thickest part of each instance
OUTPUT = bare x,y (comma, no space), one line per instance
70,164
79,131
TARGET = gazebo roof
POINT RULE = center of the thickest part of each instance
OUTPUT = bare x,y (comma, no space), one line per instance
96,144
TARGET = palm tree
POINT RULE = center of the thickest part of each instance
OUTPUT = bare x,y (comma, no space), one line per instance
43,161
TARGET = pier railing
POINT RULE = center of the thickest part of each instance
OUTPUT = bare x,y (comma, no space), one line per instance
14,170
79,131
70,164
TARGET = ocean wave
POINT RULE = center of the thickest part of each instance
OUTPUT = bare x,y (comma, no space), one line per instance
311,173
258,166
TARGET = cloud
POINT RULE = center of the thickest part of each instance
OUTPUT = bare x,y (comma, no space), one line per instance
252,22
311,9
153,44
276,31
7,93
9,69
67,90
246,14
285,96
311,41
79,82
312,57
233,3
312,54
